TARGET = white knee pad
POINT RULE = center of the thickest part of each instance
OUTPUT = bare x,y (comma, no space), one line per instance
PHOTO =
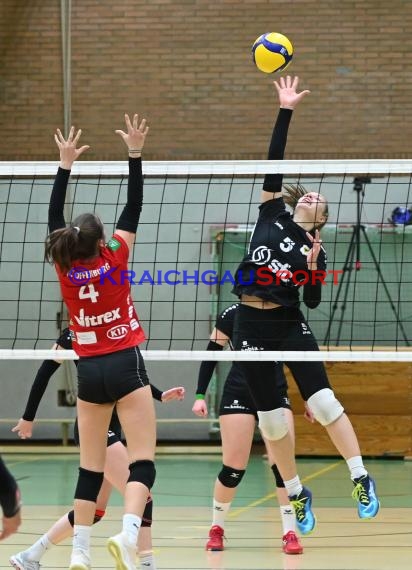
325,407
273,424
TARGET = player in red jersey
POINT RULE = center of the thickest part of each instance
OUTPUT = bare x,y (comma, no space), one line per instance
116,471
106,335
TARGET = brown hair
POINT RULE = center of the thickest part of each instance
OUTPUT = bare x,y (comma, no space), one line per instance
291,195
80,240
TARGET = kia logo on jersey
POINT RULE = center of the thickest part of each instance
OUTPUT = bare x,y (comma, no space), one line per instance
119,331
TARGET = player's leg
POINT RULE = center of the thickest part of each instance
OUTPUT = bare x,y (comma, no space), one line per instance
257,329
93,420
94,412
137,416
127,381
30,558
290,542
144,541
236,431
117,472
315,389
62,529
10,502
275,431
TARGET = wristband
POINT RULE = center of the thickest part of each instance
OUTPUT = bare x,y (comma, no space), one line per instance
199,397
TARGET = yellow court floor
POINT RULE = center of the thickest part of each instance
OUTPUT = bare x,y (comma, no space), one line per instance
182,514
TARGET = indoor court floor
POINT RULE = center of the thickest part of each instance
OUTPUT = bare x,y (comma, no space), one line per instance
182,515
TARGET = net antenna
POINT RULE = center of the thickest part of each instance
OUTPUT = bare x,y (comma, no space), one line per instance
353,264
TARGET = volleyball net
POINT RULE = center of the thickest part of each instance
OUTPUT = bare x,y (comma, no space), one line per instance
195,227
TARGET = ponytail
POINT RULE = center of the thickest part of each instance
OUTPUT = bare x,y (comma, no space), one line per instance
292,194
59,245
78,241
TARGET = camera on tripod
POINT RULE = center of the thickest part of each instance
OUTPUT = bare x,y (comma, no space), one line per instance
360,181
352,264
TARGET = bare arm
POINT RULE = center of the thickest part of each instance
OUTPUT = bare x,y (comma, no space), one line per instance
68,154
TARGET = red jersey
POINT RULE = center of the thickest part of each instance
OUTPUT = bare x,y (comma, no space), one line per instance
97,295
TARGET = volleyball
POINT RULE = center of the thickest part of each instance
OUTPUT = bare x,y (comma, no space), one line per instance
272,52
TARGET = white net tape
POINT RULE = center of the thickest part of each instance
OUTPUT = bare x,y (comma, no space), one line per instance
221,167
401,355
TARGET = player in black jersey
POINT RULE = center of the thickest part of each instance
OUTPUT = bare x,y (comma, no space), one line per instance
237,418
10,503
285,253
115,475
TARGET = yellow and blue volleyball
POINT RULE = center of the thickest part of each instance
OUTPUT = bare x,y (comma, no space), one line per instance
272,52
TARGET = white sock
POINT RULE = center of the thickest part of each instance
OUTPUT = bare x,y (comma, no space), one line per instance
147,561
131,526
287,514
36,551
220,511
356,467
81,537
293,486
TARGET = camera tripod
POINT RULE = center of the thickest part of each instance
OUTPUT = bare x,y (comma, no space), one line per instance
353,263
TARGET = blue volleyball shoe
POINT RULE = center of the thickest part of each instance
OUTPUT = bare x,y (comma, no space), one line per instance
302,503
365,494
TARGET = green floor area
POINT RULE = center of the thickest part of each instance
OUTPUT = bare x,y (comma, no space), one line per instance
187,480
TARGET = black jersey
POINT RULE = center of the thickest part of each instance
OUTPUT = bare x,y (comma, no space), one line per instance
275,266
225,322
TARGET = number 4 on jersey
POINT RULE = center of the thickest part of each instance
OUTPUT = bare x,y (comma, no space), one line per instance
88,292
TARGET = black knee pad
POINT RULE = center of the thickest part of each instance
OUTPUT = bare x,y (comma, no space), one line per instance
98,515
278,476
88,485
142,471
230,477
147,516
10,501
9,492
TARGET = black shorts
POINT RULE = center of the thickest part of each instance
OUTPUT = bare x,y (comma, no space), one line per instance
283,328
114,433
236,396
109,377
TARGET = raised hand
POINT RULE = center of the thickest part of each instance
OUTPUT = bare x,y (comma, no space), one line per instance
136,134
286,88
68,151
23,428
312,257
177,393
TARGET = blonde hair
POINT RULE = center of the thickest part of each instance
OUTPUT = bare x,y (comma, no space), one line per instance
292,193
